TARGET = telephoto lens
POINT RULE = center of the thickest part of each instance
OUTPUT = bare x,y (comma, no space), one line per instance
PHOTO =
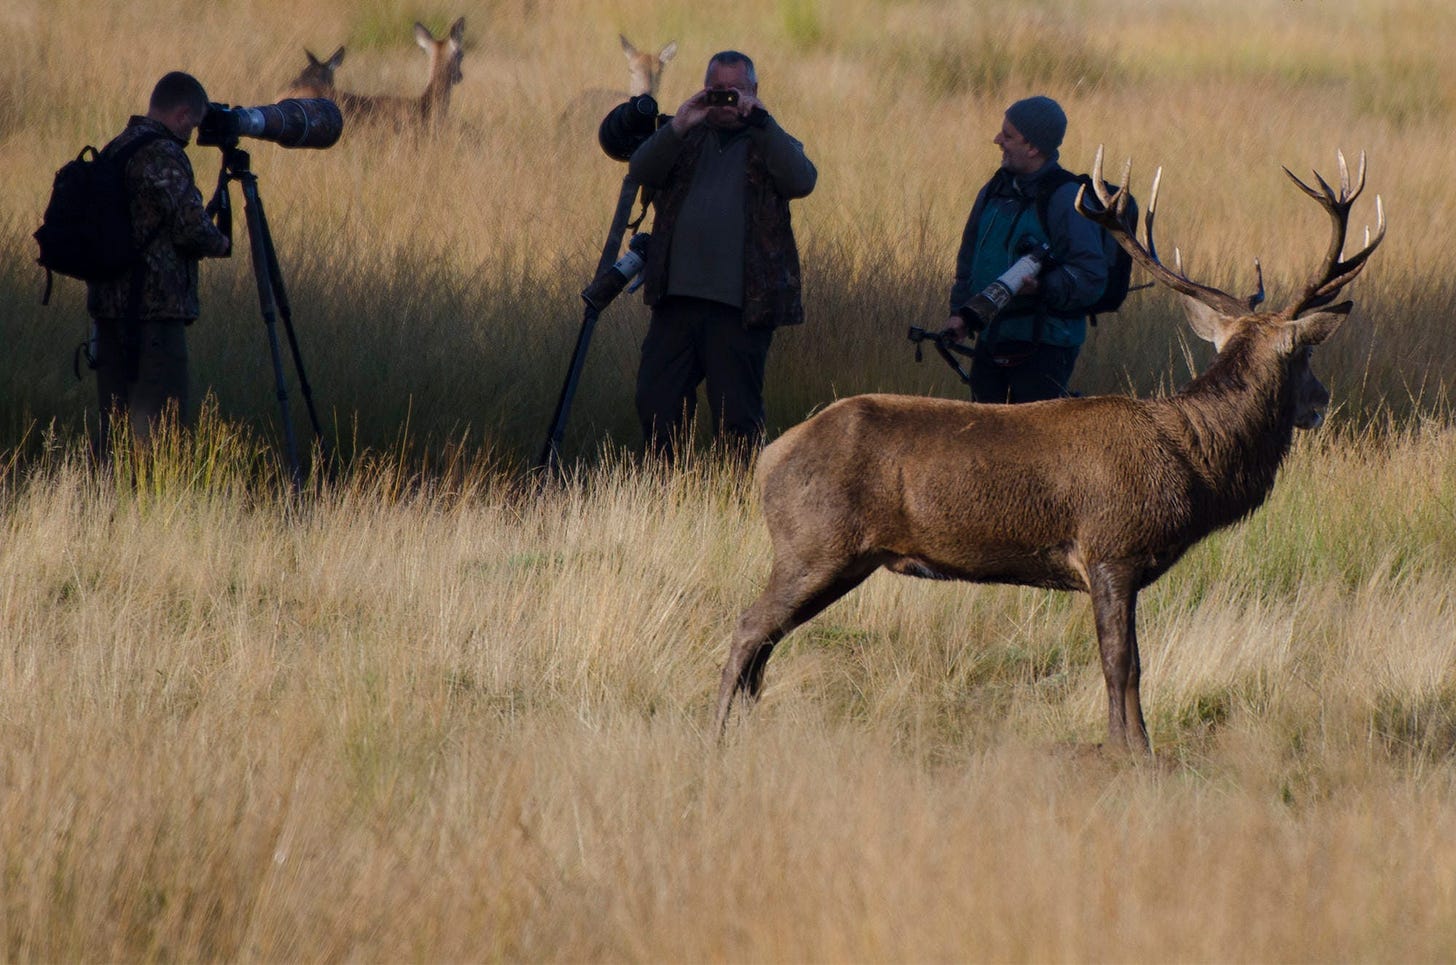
301,122
627,126
296,122
609,284
986,304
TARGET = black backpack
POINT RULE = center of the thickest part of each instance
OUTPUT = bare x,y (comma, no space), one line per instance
87,232
1119,262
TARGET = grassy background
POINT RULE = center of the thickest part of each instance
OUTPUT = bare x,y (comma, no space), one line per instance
433,712
435,284
458,719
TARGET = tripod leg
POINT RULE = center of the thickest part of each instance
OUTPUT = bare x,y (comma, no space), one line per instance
550,459
257,233
285,312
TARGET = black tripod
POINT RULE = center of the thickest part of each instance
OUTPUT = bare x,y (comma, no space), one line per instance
272,297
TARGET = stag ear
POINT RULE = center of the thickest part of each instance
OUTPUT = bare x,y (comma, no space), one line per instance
336,59
667,53
1207,323
1315,327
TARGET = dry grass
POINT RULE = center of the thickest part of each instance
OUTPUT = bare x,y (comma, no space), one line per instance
430,712
466,720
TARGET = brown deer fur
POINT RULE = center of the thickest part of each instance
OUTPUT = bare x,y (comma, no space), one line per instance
1100,495
317,80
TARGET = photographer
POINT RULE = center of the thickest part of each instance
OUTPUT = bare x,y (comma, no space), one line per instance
141,348
722,270
1029,349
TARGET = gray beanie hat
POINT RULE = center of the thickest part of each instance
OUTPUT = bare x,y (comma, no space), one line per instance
1041,121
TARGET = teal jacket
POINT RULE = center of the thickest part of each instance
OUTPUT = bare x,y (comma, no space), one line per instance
1004,214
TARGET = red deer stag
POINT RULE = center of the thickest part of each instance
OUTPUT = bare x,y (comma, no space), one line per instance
317,80
1100,495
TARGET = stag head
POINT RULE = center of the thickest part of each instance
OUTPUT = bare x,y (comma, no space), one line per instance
1218,317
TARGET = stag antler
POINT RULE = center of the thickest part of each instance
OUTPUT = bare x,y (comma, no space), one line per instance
1336,272
1109,214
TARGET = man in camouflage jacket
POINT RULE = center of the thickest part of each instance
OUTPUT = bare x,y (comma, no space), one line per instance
141,347
722,271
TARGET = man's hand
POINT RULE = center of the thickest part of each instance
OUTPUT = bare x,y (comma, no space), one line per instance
955,327
220,210
693,112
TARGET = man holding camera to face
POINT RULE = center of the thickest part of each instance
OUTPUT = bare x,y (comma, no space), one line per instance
140,350
722,268
1028,344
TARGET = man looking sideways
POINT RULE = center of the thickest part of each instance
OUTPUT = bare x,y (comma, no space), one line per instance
1028,350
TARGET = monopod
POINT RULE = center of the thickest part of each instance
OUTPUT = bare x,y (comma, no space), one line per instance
610,278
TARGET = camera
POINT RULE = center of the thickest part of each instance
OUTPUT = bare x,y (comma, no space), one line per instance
722,98
627,126
609,284
295,122
986,304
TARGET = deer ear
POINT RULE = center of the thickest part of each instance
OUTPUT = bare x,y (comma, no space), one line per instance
337,58
423,37
1314,328
666,54
457,31
627,47
1206,323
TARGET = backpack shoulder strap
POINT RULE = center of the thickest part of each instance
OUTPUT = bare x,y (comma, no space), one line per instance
1049,186
123,155
121,158
987,189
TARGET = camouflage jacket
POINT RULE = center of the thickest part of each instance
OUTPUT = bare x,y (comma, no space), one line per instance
771,281
166,207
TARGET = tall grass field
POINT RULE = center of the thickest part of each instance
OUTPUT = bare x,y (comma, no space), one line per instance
432,708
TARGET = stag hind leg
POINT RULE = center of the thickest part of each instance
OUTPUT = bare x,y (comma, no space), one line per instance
789,600
1114,605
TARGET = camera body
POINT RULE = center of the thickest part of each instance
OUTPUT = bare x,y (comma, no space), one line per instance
296,122
722,98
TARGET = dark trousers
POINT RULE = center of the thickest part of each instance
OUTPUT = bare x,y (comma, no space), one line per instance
1042,374
690,340
140,373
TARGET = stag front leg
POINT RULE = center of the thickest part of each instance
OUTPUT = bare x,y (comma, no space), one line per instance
1114,605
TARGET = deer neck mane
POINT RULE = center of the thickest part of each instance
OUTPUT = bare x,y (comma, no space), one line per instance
1239,422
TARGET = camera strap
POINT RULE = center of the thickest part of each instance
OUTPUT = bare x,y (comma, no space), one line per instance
945,345
645,193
